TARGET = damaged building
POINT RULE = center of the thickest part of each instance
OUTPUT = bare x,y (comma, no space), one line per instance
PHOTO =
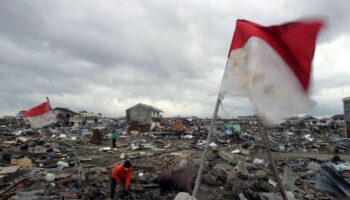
142,117
84,118
64,115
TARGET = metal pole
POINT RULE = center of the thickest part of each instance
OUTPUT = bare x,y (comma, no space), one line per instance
346,104
75,154
48,101
204,156
272,162
58,119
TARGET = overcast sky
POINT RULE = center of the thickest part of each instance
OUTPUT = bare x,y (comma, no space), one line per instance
106,56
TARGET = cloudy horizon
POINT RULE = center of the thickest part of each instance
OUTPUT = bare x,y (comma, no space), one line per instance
106,56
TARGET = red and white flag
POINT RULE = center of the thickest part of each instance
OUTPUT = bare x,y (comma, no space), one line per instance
40,115
272,66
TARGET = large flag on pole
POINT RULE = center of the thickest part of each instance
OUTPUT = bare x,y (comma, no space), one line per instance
272,66
40,115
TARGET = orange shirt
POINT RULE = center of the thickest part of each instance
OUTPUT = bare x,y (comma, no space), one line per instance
118,173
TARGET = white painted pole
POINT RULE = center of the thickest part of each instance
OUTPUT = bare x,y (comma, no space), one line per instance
75,154
205,153
48,101
272,162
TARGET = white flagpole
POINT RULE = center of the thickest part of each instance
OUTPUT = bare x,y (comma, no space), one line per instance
272,162
75,154
58,119
205,153
48,101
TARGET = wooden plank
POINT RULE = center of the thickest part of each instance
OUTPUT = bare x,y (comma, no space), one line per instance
8,170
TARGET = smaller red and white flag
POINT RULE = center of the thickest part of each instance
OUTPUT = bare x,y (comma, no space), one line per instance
40,116
272,66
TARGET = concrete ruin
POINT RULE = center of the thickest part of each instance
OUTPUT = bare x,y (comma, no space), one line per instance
142,117
346,103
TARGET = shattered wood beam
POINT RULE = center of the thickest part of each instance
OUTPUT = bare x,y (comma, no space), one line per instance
14,185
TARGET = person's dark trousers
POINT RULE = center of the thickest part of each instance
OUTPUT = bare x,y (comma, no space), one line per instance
113,143
113,185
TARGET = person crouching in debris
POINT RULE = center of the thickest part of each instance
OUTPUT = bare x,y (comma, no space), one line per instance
121,174
114,139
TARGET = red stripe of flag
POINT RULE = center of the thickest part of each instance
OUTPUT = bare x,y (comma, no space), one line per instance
38,110
295,43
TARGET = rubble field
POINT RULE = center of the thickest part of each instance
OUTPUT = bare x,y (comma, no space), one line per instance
65,163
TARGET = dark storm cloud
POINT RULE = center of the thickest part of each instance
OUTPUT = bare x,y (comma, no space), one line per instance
104,56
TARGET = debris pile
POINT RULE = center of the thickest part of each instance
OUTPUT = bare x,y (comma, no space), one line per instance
75,163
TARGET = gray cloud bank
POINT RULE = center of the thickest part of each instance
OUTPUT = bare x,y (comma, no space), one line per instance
105,56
